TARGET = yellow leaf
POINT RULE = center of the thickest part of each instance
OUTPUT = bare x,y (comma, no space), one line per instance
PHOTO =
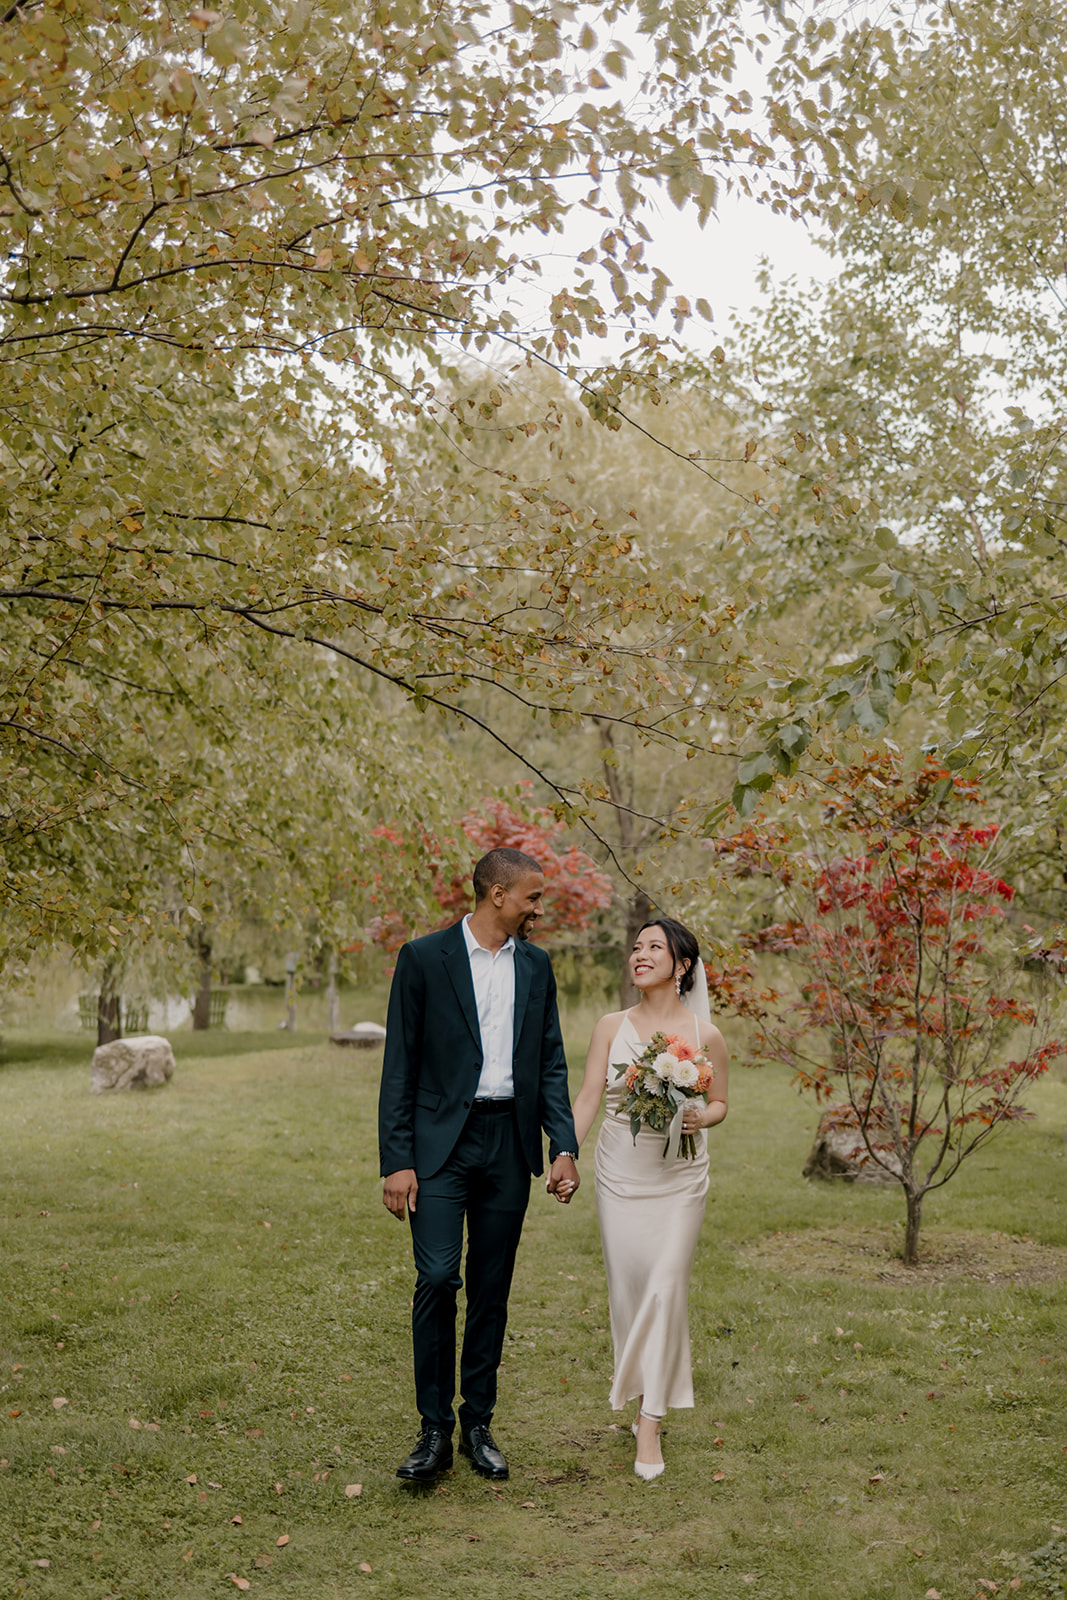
353,1489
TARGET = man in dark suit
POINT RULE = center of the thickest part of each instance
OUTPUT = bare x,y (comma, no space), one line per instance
474,1070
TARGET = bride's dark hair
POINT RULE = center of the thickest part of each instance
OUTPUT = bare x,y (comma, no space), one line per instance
682,945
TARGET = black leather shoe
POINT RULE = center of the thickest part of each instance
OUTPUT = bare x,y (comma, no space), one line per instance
486,1458
431,1455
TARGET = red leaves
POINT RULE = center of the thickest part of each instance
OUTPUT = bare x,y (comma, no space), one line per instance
575,889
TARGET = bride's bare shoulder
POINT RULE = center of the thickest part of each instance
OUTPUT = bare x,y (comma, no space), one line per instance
611,1020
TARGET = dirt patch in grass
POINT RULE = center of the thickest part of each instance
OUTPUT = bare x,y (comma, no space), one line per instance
873,1254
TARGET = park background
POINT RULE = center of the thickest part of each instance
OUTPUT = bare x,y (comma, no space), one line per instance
395,464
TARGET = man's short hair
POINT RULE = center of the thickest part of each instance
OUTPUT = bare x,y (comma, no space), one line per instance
503,866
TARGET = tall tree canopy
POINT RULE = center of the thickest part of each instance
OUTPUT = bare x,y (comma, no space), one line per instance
241,251
914,436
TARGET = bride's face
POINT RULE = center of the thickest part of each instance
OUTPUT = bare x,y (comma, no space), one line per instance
651,961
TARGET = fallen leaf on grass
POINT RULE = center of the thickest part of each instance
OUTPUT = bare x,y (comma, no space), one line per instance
263,1561
748,1577
242,1583
188,1556
718,1477
253,1433
530,1504
932,1594
44,1562
1016,1583
94,1525
353,1489
213,1485
716,1441
365,1566
191,1478
60,1401
236,1521
989,1585
279,1488
879,1477
282,1542
14,1413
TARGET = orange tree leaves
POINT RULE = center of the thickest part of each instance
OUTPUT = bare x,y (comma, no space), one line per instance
897,932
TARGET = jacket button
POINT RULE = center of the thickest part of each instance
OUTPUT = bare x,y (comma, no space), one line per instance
466,1105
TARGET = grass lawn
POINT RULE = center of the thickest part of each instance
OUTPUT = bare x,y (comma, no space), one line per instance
205,1363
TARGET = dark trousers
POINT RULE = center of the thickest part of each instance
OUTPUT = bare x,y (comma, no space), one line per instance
485,1182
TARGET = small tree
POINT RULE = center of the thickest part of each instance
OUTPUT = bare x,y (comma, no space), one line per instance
901,938
575,888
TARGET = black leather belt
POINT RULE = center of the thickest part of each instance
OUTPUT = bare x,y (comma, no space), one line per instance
494,1105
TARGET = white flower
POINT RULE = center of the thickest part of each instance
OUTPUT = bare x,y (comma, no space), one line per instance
684,1075
664,1065
653,1085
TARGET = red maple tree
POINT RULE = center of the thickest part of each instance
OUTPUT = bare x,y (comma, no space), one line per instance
899,934
575,888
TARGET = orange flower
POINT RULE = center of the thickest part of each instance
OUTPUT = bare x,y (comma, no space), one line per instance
680,1048
705,1080
633,1072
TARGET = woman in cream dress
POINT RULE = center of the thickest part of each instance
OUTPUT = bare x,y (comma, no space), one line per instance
651,1207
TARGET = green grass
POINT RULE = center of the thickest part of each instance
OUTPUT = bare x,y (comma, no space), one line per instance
213,1262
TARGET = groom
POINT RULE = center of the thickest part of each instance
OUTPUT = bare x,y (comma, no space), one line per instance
474,1069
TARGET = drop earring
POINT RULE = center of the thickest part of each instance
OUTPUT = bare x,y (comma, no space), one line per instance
678,984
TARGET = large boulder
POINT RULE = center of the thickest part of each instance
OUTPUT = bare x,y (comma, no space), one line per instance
144,1062
839,1150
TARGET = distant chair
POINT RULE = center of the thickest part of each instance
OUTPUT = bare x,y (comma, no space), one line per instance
217,1008
134,1016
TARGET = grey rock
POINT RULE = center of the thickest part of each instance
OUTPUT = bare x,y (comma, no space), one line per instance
839,1151
145,1061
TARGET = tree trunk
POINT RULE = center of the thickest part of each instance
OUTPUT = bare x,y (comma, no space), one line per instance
108,1015
202,1000
332,997
911,1229
637,914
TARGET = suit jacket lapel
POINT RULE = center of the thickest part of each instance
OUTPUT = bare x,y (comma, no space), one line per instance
523,973
458,966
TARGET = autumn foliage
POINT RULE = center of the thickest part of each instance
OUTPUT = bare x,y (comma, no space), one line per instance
908,1018
575,888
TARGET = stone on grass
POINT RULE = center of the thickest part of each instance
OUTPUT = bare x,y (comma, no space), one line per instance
364,1036
144,1062
839,1150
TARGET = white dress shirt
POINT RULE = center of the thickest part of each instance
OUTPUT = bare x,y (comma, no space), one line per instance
494,995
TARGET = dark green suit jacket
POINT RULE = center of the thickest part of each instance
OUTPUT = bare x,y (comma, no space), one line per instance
433,1056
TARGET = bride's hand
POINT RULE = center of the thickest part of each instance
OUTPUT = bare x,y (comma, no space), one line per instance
693,1116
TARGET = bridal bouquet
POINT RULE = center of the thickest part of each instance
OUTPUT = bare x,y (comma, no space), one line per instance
668,1072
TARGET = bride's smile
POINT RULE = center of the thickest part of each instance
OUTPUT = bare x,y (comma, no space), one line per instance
651,961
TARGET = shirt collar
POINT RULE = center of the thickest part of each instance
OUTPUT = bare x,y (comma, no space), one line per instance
473,945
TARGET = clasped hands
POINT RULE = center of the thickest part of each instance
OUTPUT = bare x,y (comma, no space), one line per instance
563,1179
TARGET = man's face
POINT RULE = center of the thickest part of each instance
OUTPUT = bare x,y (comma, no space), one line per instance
520,905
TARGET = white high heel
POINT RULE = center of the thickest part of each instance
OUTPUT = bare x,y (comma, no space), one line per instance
647,1470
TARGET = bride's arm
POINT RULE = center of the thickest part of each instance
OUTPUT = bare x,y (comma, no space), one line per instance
587,1101
715,1048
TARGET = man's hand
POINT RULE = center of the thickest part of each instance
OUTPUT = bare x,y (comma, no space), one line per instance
562,1179
400,1191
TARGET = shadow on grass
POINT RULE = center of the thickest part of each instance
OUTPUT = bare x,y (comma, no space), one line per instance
71,1049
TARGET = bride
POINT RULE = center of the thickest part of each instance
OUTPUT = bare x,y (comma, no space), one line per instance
651,1206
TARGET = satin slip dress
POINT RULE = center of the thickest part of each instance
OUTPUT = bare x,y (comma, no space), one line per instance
650,1210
